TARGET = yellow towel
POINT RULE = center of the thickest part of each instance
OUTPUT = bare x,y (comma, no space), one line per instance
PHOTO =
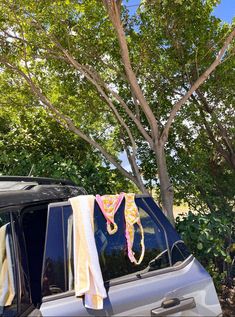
7,287
87,272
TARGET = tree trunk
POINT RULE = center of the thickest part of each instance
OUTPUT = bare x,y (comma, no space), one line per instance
142,188
166,187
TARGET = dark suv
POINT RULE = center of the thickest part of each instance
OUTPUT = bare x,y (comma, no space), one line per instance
36,258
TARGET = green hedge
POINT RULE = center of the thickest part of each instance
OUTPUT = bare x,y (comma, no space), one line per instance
211,238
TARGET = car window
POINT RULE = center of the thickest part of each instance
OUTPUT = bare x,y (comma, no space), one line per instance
177,249
112,249
54,258
22,265
8,290
68,247
179,252
58,275
33,224
58,271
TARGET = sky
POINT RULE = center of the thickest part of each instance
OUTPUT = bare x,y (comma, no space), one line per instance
225,10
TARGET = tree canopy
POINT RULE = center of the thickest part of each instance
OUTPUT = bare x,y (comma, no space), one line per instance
118,81
34,144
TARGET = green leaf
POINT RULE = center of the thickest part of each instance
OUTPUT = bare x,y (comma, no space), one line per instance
200,246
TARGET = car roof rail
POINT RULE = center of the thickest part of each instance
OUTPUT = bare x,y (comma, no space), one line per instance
38,180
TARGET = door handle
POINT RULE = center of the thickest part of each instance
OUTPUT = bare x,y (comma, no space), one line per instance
168,303
173,305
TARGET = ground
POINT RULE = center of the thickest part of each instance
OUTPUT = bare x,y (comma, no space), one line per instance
227,301
182,209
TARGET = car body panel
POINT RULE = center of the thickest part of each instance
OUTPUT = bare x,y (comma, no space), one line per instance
140,297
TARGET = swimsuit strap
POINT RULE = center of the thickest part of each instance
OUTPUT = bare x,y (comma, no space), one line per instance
132,217
130,241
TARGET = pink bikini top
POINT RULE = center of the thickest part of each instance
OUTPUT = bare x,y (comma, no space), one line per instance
109,205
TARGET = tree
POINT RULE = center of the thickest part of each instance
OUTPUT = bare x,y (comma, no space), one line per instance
31,143
78,62
201,177
201,145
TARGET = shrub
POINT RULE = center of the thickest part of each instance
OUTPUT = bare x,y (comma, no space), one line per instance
211,237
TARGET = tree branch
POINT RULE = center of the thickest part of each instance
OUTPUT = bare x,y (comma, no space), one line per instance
114,14
195,86
135,169
97,81
214,141
229,155
14,37
222,129
66,121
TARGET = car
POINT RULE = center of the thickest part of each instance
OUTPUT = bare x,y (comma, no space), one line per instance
36,258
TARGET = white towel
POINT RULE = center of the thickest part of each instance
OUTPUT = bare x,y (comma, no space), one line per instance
7,286
88,276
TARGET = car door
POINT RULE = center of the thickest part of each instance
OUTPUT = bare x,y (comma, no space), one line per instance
168,282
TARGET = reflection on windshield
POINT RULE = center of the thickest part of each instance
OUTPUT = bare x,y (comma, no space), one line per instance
70,253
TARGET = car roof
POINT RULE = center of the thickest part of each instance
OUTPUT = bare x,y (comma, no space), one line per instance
11,185
37,180
20,190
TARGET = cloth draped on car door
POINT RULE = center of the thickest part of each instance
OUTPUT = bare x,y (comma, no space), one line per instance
88,279
109,205
7,285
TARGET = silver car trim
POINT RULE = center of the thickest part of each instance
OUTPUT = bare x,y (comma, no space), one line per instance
126,279
137,275
67,203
